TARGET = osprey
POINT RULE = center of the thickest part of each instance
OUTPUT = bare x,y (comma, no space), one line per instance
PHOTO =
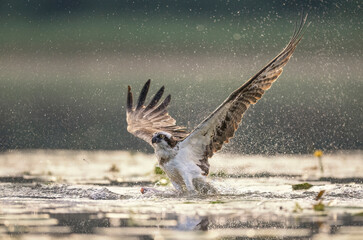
184,155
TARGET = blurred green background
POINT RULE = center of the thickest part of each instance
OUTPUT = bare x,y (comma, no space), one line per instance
65,67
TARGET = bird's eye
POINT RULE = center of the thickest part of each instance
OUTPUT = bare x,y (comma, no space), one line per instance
162,136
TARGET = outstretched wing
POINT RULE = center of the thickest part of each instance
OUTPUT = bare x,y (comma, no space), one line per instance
143,121
209,136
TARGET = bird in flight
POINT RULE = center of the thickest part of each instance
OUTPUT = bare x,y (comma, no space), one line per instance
184,155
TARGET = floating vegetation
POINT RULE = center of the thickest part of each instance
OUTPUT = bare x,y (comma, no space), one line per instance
217,202
302,186
159,171
221,174
319,155
320,206
297,208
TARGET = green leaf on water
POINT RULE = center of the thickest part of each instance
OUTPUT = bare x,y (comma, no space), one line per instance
220,174
158,171
301,186
216,202
297,208
319,207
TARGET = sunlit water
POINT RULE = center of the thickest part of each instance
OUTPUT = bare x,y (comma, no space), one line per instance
96,195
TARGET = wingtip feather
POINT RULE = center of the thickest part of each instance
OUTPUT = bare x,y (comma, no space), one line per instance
155,99
167,99
129,99
143,94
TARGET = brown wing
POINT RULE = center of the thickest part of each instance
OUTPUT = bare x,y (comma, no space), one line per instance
221,125
143,121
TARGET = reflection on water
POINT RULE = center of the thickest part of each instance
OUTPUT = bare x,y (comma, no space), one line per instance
169,225
256,199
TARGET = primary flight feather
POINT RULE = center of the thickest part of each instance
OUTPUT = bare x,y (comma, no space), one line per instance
183,155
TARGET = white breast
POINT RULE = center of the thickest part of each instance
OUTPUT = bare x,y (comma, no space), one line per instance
184,162
180,165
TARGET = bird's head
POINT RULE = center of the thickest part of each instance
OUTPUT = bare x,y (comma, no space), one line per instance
163,139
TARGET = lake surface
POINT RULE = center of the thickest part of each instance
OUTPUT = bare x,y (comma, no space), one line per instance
70,195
